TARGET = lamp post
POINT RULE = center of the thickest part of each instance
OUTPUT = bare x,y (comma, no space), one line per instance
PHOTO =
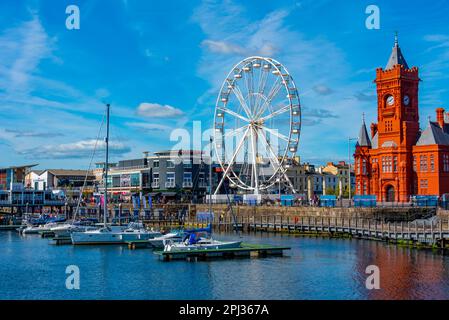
349,167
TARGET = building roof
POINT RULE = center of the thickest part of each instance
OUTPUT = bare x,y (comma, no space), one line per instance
19,167
396,56
68,172
433,134
363,139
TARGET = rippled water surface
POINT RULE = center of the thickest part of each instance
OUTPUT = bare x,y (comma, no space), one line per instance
32,268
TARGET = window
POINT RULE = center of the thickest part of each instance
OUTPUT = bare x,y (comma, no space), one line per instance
187,177
423,184
445,162
365,188
432,163
423,163
155,183
135,180
357,164
171,177
156,164
395,164
386,164
187,163
364,167
170,164
414,163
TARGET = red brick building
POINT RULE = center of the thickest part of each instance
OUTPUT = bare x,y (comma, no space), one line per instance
397,159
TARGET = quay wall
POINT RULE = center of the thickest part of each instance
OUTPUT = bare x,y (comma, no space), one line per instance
367,213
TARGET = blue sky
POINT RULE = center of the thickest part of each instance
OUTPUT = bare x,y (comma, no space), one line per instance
160,65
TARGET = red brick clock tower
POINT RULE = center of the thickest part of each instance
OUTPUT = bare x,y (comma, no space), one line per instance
390,158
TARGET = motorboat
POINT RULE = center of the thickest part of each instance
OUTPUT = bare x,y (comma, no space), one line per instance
171,237
65,229
114,235
192,242
203,244
35,229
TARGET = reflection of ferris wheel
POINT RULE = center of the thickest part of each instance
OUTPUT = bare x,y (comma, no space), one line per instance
257,124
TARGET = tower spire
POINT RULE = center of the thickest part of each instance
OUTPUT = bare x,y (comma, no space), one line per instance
363,139
396,56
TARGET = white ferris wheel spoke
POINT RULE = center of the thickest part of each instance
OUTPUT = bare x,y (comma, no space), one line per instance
235,114
231,133
275,113
255,178
241,100
232,159
275,133
280,168
273,92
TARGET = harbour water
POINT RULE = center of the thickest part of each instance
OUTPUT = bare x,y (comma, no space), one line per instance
315,268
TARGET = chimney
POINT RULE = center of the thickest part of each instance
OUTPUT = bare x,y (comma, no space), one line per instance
373,129
440,116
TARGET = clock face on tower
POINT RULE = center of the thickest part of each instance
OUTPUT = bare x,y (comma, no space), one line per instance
390,101
406,100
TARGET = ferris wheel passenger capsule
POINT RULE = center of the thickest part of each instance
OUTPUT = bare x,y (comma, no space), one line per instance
276,72
267,66
238,76
256,65
246,69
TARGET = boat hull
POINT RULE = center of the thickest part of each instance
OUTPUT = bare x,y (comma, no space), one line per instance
213,246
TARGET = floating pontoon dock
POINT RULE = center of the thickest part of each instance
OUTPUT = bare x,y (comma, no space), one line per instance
245,250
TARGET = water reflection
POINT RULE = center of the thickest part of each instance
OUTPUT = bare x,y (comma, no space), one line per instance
315,268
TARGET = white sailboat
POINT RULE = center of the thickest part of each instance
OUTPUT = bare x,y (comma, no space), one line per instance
111,234
202,244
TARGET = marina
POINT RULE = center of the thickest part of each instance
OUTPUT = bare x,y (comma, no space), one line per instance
314,268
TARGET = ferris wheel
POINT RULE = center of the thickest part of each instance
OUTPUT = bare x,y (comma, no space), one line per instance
257,125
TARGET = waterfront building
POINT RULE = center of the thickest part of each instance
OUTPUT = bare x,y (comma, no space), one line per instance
168,173
15,193
336,179
397,159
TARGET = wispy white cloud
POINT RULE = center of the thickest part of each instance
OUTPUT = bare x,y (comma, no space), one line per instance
317,65
150,127
155,110
78,149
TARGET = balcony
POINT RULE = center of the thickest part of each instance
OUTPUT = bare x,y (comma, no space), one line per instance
202,185
170,184
187,184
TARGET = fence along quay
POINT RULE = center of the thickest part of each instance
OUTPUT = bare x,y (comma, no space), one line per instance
431,233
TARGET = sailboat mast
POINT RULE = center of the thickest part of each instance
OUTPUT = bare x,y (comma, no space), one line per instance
106,166
210,177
